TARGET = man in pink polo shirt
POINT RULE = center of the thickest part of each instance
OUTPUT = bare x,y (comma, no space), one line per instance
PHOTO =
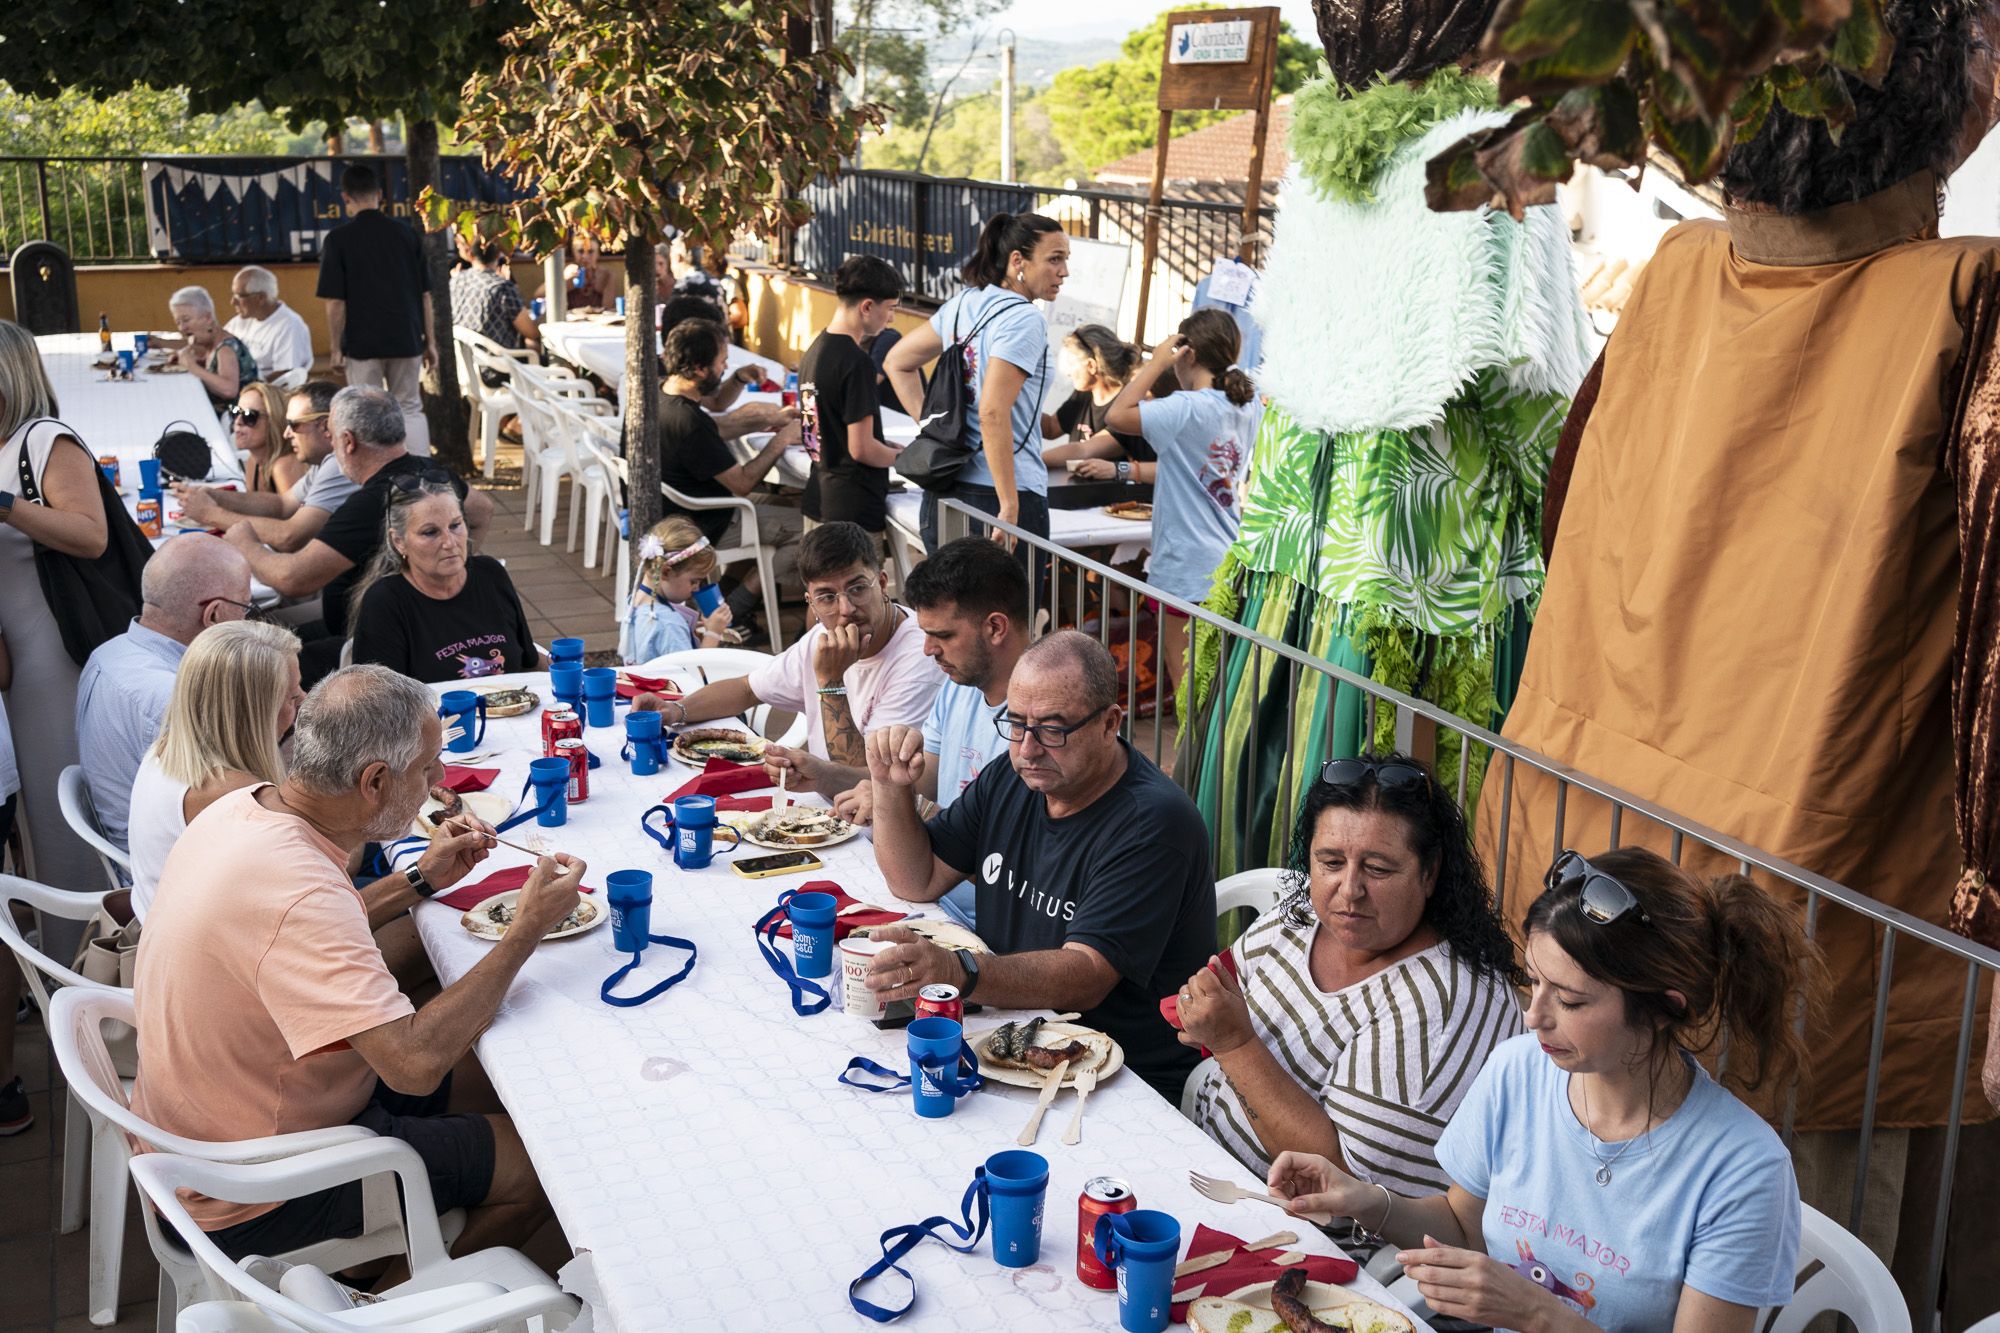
265,1007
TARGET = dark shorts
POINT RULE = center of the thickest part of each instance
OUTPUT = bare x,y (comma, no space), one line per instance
458,1157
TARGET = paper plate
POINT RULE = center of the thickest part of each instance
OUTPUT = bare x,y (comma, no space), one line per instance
944,934
489,805
589,912
1132,511
508,701
1321,1298
1109,1055
745,822
712,733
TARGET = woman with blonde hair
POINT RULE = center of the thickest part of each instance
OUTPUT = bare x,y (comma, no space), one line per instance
257,427
234,699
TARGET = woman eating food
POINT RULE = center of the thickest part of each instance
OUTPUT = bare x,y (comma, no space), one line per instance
218,358
1097,363
1601,1179
257,428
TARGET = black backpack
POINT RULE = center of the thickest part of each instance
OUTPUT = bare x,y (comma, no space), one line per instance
940,452
92,600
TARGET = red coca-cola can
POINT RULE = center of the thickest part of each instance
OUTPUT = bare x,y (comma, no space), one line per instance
1101,1195
940,1001
560,724
571,748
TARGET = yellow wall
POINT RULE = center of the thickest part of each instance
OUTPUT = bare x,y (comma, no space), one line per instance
787,313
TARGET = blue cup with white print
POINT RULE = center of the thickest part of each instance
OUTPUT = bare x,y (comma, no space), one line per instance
643,743
934,1045
149,478
1017,1184
462,712
600,692
1142,1246
811,915
630,895
548,786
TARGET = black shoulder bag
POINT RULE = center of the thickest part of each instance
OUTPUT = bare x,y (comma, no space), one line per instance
92,599
940,452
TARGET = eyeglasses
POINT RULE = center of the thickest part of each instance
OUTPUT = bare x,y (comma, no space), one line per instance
1048,735
1603,900
854,592
250,611
1390,775
419,483
307,419
250,417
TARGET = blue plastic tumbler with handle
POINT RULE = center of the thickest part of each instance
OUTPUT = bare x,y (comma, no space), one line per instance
465,712
566,684
630,894
548,785
644,744
566,650
811,915
149,478
1017,1183
1142,1245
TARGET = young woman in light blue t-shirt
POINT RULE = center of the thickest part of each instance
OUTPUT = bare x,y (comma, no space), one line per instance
1601,1178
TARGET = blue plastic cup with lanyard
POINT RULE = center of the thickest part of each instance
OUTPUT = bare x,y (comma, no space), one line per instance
1019,1184
812,916
141,341
566,650
1142,1245
934,1045
465,711
644,744
149,479
692,821
566,683
630,896
600,694
548,780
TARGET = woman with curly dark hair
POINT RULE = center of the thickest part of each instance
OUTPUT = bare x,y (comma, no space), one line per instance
1350,1021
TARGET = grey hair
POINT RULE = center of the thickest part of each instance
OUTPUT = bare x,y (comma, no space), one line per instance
359,715
1090,661
370,413
25,393
187,571
258,281
389,561
194,298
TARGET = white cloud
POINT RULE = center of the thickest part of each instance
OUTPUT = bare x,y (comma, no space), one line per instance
1056,20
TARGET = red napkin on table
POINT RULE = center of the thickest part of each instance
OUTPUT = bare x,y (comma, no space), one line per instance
843,926
1246,1270
468,896
722,778
462,779
744,803
631,686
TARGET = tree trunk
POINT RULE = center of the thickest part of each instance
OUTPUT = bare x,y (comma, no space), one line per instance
642,394
375,137
444,408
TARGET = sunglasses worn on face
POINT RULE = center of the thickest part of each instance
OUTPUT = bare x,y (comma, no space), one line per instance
1390,775
1603,899
307,419
252,417
250,611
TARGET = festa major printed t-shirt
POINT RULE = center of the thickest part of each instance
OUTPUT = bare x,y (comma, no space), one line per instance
1018,335
355,530
481,632
1203,441
837,389
1128,876
961,734
1707,1200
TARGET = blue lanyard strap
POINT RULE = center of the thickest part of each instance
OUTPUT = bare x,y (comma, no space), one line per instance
657,744
523,816
781,963
860,1070
627,1001
899,1241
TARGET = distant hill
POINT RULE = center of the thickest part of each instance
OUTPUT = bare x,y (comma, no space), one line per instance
1036,60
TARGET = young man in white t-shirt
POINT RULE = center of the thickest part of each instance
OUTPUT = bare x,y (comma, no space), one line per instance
861,666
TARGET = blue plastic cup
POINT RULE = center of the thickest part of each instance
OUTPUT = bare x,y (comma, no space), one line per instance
149,478
537,308
643,743
545,775
692,819
811,915
566,650
125,361
621,305
630,894
1017,1183
1142,1245
566,683
708,597
934,1044
466,711
600,692
140,342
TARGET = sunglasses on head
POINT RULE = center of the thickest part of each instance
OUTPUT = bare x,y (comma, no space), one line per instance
416,483
1390,774
1602,899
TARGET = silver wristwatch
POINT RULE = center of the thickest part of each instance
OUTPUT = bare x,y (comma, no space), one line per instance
418,884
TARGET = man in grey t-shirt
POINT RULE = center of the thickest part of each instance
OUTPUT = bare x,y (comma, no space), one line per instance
285,520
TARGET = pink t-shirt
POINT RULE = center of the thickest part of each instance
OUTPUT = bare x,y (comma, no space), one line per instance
255,967
894,686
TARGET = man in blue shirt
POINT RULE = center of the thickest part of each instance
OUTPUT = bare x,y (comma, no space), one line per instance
192,582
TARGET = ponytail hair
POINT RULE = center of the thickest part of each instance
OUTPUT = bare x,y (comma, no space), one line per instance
1006,234
1738,955
1217,341
1116,359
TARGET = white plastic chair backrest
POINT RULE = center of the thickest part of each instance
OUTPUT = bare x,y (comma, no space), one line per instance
535,428
290,379
544,383
230,1317
715,663
1194,1078
45,901
461,352
1258,890
76,1018
73,795
1990,1324
1850,1281
478,341
483,360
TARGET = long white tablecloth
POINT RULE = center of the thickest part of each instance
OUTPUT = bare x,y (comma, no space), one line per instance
700,1148
600,349
1074,528
125,417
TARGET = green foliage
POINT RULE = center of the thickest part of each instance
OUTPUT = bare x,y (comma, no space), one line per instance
967,143
1103,112
1341,140
138,120
889,43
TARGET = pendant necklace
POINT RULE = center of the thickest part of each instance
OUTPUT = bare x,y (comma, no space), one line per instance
1603,1173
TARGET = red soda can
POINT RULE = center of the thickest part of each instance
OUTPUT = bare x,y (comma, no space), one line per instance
571,748
940,1001
1101,1195
550,717
566,727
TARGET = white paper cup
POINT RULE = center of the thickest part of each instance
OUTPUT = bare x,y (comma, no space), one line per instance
855,997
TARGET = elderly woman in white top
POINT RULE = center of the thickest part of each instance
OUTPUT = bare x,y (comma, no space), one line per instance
218,358
234,699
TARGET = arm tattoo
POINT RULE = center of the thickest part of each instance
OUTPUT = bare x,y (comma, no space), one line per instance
844,744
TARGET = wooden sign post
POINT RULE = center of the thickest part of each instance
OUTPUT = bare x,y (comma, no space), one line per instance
1216,59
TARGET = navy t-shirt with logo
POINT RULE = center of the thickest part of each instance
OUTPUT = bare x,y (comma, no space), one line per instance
1128,875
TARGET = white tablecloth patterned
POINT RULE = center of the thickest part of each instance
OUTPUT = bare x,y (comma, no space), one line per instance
700,1148
599,348
125,417
1074,528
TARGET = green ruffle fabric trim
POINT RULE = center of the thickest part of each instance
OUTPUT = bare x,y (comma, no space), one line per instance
1342,140
1454,672
1205,645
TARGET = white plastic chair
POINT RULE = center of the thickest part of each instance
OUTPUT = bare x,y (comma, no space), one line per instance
751,547
73,795
602,442
543,462
443,1295
724,664
491,404
1850,1281
76,1018
591,483
1259,890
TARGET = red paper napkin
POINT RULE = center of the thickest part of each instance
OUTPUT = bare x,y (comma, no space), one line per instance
744,803
843,926
631,686
468,896
1246,1270
462,779
722,778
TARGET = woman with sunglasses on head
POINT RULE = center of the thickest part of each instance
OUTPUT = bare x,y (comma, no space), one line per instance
1601,1179
427,606
257,428
1349,1021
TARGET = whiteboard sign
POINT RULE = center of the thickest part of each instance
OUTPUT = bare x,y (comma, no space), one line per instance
1209,43
1094,289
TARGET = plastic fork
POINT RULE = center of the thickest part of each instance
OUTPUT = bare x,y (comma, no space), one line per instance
1223,1191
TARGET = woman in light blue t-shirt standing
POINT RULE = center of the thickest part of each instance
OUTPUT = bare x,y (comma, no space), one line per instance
1601,1178
1021,258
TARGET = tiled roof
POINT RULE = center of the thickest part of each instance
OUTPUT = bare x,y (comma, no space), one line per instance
1219,154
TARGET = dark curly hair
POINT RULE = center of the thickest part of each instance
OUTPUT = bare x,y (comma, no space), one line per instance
1911,122
1460,908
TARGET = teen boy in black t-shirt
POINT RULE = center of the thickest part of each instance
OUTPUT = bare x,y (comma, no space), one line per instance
839,409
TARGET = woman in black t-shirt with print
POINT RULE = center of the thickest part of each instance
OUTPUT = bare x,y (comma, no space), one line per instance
1098,363
429,609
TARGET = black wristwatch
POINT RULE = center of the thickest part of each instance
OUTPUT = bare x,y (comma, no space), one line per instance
6,505
969,962
418,884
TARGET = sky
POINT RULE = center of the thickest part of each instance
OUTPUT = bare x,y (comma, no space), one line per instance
1060,19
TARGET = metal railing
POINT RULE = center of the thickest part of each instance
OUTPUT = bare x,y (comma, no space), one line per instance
93,207
1089,594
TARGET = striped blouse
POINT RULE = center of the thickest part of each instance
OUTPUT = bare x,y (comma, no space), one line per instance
1390,1057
